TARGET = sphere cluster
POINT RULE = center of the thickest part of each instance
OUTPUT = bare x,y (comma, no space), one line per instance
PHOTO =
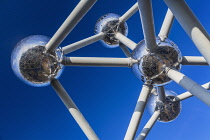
33,64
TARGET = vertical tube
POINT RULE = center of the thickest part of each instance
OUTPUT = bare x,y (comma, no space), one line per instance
138,112
145,9
161,93
70,105
191,25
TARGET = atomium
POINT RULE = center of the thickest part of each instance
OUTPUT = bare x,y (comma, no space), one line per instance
155,60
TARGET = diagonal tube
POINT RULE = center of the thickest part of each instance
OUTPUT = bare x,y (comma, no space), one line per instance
186,95
129,13
194,60
98,61
166,26
188,84
138,112
76,15
76,114
125,50
82,43
145,9
191,25
126,41
149,125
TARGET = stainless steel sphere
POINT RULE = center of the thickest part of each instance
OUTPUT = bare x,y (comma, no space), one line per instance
110,24
32,64
169,110
150,66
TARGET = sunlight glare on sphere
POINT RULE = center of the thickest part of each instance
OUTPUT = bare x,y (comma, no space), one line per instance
110,24
32,64
169,110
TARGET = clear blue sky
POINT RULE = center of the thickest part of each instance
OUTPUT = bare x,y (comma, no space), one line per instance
106,96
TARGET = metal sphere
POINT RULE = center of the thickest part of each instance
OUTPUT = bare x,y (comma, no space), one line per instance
32,64
150,66
169,110
110,24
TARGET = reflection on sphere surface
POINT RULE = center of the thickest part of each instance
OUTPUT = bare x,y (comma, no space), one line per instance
32,64
110,24
169,110
150,66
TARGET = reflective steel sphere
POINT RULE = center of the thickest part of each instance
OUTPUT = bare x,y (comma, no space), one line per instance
32,64
169,110
150,66
110,24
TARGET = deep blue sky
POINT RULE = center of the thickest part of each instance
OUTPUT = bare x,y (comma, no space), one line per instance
106,96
